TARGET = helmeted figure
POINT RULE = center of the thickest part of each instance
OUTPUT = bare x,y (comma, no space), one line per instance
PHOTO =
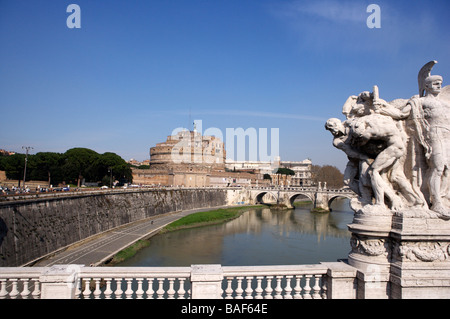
430,113
404,145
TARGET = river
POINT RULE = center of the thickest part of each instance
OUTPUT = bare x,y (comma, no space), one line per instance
261,236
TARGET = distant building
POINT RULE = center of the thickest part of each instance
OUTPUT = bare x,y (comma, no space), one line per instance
251,166
303,176
189,148
302,170
137,163
185,159
6,153
194,160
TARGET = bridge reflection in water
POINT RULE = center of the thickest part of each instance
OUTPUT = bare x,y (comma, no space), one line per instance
258,237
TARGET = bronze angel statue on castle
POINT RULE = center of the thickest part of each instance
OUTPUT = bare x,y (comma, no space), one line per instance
398,151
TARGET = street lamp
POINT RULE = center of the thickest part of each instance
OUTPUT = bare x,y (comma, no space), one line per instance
110,179
27,148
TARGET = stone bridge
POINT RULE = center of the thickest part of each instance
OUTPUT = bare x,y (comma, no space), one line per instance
320,197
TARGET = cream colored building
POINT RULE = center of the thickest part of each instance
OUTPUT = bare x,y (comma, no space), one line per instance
187,158
191,159
302,170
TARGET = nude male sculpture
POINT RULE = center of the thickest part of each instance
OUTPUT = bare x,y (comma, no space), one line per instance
431,114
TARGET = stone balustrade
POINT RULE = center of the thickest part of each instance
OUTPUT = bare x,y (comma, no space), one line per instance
90,192
18,282
320,281
276,282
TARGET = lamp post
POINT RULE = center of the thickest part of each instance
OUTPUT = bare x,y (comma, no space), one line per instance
27,148
110,179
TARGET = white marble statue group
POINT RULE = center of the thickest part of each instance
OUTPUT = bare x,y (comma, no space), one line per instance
398,151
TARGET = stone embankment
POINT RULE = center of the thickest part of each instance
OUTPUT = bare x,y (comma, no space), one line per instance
30,229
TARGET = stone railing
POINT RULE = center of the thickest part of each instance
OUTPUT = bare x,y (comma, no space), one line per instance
321,281
18,282
90,192
109,191
276,282
302,188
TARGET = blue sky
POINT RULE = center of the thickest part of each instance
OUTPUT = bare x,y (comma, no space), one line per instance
137,70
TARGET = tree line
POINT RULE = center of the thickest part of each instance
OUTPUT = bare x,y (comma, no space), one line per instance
329,174
71,167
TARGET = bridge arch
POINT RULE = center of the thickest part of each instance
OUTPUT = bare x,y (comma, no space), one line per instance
293,197
332,198
259,197
320,198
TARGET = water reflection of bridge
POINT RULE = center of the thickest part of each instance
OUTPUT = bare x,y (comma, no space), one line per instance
322,224
296,232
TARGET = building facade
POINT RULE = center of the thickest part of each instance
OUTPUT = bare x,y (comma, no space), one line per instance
189,148
187,159
191,159
301,169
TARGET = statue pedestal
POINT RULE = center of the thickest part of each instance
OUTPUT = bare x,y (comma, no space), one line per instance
401,255
420,262
370,252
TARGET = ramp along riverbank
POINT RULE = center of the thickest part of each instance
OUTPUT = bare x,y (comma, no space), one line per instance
101,248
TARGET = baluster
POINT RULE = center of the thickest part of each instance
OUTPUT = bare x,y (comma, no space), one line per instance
248,289
97,290
288,289
26,291
181,290
108,291
171,291
129,292
14,291
239,289
229,290
269,289
298,287
160,291
119,290
259,289
87,289
139,291
37,288
307,289
278,289
3,291
324,287
189,292
150,290
78,284
316,288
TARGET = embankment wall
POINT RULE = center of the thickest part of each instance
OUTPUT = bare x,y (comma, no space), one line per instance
30,229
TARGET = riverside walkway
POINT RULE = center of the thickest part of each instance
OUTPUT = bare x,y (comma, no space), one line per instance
98,249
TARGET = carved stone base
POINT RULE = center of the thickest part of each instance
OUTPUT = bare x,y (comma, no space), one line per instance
372,220
373,273
401,255
371,251
420,281
420,262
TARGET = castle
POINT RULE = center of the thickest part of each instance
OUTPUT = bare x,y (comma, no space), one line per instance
191,159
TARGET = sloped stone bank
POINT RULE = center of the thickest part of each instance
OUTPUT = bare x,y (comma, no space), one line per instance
30,229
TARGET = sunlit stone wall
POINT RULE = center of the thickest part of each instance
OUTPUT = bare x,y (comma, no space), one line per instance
33,228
